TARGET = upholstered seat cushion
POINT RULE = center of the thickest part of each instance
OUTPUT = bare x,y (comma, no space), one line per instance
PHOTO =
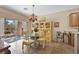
27,42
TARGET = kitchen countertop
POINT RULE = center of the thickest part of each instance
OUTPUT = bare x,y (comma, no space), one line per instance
4,46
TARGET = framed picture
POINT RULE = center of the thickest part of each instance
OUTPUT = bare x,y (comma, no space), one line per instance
56,24
47,25
41,25
37,25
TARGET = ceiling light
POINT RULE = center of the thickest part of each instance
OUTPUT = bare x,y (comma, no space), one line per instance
25,8
33,17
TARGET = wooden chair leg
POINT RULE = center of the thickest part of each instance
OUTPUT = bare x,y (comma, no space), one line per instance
22,45
28,49
43,44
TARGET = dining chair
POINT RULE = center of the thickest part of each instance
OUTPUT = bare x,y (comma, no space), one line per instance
28,43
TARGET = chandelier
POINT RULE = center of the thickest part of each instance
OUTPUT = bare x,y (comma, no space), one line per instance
32,17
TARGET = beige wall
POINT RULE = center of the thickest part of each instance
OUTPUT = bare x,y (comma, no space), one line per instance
63,18
13,15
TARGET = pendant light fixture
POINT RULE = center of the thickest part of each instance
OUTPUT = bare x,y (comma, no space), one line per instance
32,17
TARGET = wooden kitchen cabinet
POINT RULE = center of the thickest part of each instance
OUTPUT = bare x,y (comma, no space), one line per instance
74,19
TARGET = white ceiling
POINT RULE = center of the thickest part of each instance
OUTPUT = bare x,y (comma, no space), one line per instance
40,9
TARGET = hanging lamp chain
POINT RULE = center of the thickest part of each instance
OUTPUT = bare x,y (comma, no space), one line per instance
33,9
